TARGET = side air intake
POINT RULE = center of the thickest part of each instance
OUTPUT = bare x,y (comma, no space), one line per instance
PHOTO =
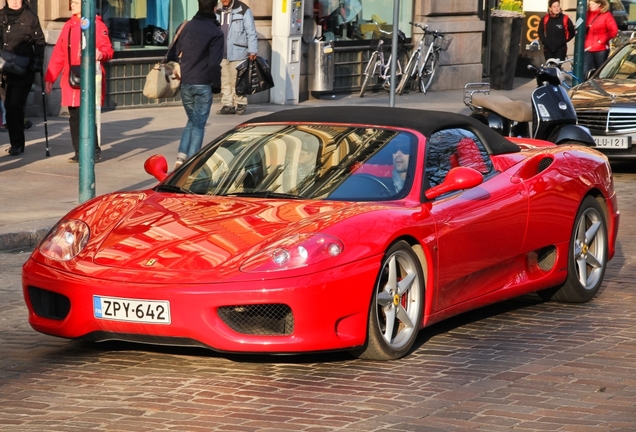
546,258
544,164
535,165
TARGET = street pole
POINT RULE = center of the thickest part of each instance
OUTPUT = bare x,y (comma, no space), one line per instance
579,41
87,104
394,51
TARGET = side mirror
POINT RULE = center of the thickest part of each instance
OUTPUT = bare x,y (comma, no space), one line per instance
458,178
157,166
589,74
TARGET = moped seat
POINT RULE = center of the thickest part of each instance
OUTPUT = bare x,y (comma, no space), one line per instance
515,110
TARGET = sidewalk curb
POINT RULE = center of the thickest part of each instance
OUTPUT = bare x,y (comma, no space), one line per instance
22,240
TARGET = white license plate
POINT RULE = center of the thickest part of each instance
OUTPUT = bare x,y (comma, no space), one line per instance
132,310
612,142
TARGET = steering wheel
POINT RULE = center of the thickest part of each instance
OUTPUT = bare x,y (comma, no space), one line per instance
383,187
361,186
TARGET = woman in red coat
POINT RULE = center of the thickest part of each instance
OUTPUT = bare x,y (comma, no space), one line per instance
601,28
70,42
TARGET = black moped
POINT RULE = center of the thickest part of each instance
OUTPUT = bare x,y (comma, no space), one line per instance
551,114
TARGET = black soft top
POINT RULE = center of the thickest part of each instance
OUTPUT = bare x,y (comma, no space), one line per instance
424,121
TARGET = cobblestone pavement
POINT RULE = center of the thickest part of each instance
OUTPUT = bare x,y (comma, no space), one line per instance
522,365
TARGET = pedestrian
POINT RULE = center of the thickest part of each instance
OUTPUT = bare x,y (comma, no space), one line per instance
601,28
68,52
3,127
21,35
555,31
241,42
199,50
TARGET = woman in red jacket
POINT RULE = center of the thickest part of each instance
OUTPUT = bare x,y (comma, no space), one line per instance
601,28
69,43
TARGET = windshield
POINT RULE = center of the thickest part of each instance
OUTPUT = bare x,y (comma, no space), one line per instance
302,161
622,65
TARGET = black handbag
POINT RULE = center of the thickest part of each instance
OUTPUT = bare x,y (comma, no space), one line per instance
74,76
13,64
253,76
74,71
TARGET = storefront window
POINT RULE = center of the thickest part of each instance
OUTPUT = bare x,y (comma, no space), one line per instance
348,19
144,24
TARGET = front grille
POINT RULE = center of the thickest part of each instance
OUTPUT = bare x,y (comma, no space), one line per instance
261,320
614,121
48,304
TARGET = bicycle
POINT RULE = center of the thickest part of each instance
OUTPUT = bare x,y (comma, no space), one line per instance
422,73
376,63
568,80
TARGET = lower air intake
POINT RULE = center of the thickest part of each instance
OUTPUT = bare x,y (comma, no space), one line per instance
48,304
260,320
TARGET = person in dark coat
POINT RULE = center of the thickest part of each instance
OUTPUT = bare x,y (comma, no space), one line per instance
199,50
21,34
555,31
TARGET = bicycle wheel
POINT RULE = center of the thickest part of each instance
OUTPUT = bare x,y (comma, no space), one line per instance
369,71
410,74
427,72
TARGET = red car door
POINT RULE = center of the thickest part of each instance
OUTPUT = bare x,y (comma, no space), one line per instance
480,231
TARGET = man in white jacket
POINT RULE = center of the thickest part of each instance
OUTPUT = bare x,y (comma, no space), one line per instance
241,42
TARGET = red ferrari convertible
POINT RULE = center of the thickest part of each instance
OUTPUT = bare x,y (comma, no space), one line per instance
316,229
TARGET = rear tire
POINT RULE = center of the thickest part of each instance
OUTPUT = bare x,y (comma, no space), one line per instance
587,257
396,307
410,74
428,71
369,71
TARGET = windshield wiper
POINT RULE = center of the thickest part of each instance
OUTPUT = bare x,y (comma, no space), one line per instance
171,188
263,194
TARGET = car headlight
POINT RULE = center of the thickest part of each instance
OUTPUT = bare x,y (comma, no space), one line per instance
294,252
67,239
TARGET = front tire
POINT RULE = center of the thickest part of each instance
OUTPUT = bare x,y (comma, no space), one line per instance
587,257
369,71
428,71
410,74
397,305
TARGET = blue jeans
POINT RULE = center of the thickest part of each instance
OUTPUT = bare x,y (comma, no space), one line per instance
593,60
197,100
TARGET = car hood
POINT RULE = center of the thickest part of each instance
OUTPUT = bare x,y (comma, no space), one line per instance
604,93
174,233
165,238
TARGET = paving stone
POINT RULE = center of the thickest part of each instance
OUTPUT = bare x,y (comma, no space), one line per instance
523,365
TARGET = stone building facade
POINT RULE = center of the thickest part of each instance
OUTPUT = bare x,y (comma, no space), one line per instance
126,72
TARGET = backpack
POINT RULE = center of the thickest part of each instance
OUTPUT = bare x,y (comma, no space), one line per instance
565,25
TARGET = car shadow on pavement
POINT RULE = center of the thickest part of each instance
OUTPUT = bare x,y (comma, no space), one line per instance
90,348
474,316
448,325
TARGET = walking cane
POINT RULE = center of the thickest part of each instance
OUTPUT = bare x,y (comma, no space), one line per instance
46,128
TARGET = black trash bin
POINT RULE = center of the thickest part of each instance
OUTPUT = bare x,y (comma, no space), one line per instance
504,51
